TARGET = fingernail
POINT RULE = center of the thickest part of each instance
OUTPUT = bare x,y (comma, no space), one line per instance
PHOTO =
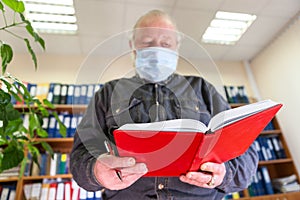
203,167
144,168
131,161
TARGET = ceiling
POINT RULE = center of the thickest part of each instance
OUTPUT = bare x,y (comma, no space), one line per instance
99,20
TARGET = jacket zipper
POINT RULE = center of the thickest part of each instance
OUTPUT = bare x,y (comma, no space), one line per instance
156,102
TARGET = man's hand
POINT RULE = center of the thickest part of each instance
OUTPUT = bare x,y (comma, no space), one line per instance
211,175
105,171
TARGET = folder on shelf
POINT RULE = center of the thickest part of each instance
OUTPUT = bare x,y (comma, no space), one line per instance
174,147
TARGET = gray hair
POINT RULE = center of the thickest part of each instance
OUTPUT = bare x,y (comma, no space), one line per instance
152,15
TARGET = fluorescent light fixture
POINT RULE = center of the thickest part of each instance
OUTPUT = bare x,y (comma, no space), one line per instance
227,28
52,16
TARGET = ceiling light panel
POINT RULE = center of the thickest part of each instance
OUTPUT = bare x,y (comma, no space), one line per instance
52,16
227,28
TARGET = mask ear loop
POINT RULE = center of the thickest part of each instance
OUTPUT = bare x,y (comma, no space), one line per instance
130,35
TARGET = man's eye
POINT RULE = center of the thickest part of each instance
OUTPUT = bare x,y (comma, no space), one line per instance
166,44
146,43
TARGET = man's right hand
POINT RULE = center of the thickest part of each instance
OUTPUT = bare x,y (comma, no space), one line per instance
105,171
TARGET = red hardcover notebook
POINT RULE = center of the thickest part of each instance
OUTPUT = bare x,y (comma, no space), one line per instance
174,147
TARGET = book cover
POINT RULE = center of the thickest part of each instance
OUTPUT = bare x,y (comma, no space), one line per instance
174,147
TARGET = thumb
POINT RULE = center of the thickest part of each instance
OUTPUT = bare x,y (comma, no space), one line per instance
112,161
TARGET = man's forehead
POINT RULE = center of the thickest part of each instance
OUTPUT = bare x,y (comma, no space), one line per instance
153,31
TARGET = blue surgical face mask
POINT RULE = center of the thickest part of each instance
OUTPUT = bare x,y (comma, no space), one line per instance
155,64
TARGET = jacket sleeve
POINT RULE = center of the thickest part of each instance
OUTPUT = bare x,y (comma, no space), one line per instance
88,140
239,171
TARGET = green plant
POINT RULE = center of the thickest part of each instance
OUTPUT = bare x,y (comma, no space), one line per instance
15,138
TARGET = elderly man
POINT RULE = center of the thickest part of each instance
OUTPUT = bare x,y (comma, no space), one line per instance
155,93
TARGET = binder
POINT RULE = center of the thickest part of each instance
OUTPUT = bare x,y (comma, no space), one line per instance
266,180
90,93
76,99
68,190
56,93
52,126
70,94
63,94
83,94
73,126
42,91
50,92
279,150
82,194
98,195
62,163
60,191
32,89
36,191
75,190
52,191
45,190
170,151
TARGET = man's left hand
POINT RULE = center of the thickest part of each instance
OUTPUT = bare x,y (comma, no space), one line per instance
210,176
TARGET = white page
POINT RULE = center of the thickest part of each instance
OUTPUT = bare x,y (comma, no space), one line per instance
230,116
188,125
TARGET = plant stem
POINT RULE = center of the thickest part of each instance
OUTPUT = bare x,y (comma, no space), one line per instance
4,18
11,25
14,34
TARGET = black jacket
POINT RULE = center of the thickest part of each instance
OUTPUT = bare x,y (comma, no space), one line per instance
135,101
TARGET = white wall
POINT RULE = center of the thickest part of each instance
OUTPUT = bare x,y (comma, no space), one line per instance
277,73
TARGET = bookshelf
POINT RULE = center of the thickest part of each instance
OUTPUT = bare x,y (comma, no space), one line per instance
277,168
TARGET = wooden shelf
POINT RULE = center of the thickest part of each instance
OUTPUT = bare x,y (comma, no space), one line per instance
277,168
59,108
270,132
277,161
31,178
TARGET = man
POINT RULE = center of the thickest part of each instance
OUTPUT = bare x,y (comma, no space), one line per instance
155,93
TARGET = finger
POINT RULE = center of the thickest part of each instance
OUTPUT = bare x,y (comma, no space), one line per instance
139,168
113,162
214,168
109,179
199,179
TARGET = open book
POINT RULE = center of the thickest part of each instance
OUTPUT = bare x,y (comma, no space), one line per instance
174,147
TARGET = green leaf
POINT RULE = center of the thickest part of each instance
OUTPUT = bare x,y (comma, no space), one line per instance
4,99
33,56
17,6
13,126
48,104
23,91
12,155
12,113
62,127
34,123
6,53
43,110
47,148
1,158
42,133
32,32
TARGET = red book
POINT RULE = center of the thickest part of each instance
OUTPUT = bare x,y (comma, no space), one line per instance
174,147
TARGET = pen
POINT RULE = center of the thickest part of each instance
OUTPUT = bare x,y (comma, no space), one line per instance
111,152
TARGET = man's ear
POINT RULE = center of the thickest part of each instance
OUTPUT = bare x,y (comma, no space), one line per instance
131,45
